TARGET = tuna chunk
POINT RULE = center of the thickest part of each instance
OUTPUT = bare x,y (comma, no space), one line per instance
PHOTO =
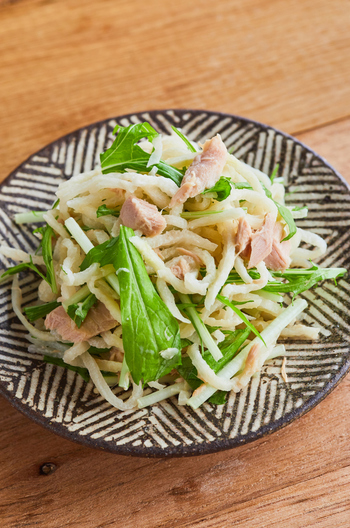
261,244
182,265
204,171
98,320
184,251
243,236
278,259
139,214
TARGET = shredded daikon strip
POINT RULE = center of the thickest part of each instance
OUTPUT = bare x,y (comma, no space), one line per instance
20,256
232,289
103,388
50,218
224,268
16,298
218,336
158,197
205,373
98,236
181,237
301,256
157,153
302,213
71,263
75,351
283,370
114,339
262,204
265,180
247,173
161,395
108,366
299,331
106,299
242,270
176,221
169,300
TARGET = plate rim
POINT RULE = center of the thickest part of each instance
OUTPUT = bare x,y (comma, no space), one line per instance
207,446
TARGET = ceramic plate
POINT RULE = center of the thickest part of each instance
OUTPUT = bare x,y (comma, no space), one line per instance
64,403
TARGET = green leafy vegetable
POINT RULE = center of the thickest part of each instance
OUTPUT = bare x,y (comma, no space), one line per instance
300,280
148,326
36,312
199,326
243,185
103,254
103,210
222,188
191,215
94,351
240,314
219,398
83,372
78,311
125,153
23,267
301,208
184,139
287,216
46,245
274,172
46,248
60,363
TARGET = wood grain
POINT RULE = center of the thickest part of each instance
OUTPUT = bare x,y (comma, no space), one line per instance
64,64
298,477
67,63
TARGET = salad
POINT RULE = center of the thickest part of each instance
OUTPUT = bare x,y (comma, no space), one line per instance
172,269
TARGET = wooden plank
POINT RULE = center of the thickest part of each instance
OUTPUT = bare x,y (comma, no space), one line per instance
327,506
307,461
66,64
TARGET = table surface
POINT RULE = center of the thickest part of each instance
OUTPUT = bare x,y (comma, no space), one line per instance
64,64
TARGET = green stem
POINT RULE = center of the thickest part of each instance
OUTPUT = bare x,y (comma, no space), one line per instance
32,217
200,327
78,296
124,379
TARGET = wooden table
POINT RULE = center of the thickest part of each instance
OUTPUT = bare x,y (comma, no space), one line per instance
67,63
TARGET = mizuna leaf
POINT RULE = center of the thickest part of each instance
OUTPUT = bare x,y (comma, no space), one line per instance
125,153
148,326
240,315
222,188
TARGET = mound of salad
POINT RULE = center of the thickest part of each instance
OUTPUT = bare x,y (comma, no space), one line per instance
171,269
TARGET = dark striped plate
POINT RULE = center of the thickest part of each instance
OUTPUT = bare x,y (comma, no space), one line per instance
63,402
